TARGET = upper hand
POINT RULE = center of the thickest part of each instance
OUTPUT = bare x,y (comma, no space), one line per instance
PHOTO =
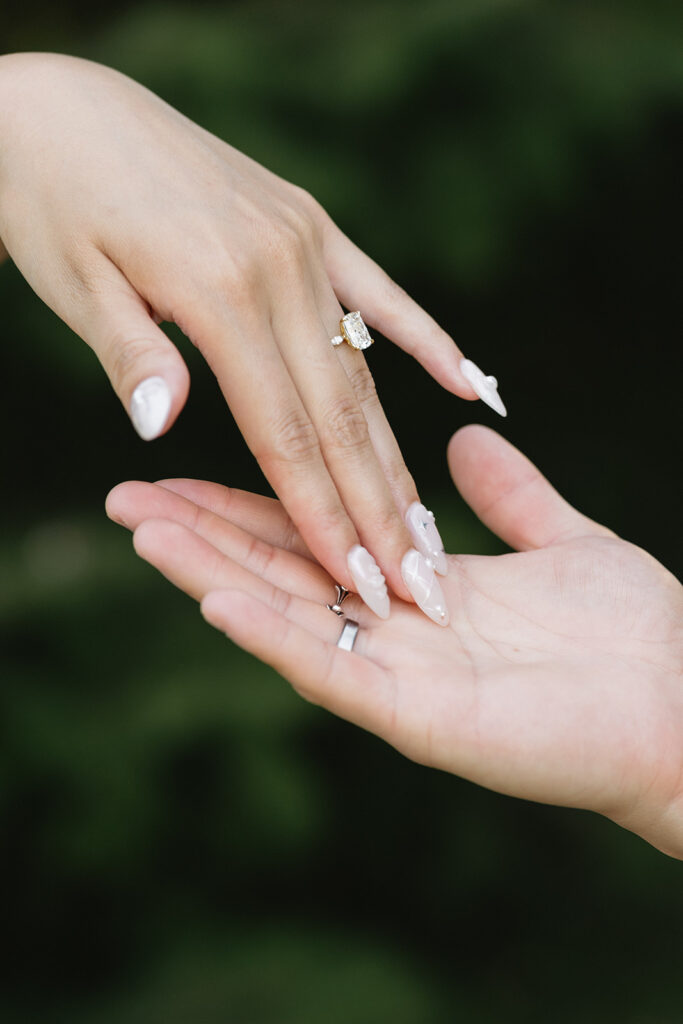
121,213
558,678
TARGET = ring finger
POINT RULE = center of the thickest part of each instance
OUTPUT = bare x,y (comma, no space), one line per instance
342,429
418,519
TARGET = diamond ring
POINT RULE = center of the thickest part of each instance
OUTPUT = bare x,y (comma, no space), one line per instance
353,331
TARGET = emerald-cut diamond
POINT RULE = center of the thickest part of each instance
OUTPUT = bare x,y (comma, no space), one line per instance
355,331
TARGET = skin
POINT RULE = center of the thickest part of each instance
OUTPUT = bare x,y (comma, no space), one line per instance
559,678
122,213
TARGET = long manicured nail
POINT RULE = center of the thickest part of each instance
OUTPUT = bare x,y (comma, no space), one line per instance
426,537
485,387
150,406
369,580
419,577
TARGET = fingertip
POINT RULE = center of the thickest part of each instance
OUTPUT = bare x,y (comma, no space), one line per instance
150,407
112,504
121,501
158,399
471,437
481,461
474,428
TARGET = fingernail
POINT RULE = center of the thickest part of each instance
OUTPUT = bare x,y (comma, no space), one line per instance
150,406
426,537
369,580
485,387
419,577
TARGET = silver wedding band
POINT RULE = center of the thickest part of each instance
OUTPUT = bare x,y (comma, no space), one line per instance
347,637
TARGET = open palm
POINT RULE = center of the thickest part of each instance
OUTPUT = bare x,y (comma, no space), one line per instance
558,678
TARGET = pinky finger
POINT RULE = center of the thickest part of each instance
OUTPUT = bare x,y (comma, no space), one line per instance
341,681
360,283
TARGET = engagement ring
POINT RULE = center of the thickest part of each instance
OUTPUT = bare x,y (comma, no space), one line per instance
353,331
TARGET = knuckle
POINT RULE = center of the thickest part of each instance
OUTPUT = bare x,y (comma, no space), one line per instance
293,438
330,516
305,199
286,248
345,425
237,278
364,386
307,207
228,270
297,230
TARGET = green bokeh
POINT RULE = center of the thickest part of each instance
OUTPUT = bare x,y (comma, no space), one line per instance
183,838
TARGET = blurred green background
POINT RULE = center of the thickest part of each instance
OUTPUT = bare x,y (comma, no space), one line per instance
183,839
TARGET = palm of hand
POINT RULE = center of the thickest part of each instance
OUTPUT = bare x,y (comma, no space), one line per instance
558,678
542,686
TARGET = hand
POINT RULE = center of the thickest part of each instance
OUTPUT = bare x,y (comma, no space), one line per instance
120,213
558,679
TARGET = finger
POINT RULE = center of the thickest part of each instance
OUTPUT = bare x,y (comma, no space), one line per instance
146,370
419,521
263,517
342,430
344,682
196,566
389,455
279,431
510,495
193,565
275,424
310,615
134,502
360,283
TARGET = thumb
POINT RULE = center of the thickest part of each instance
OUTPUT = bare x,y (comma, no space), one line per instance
510,495
145,368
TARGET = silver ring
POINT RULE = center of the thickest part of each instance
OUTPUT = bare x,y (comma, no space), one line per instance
342,594
354,331
347,637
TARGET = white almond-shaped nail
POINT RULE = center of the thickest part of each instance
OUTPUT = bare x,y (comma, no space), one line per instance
150,406
426,537
369,580
485,387
419,577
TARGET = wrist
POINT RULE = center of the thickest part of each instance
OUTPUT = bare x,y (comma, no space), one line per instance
657,814
668,833
662,829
